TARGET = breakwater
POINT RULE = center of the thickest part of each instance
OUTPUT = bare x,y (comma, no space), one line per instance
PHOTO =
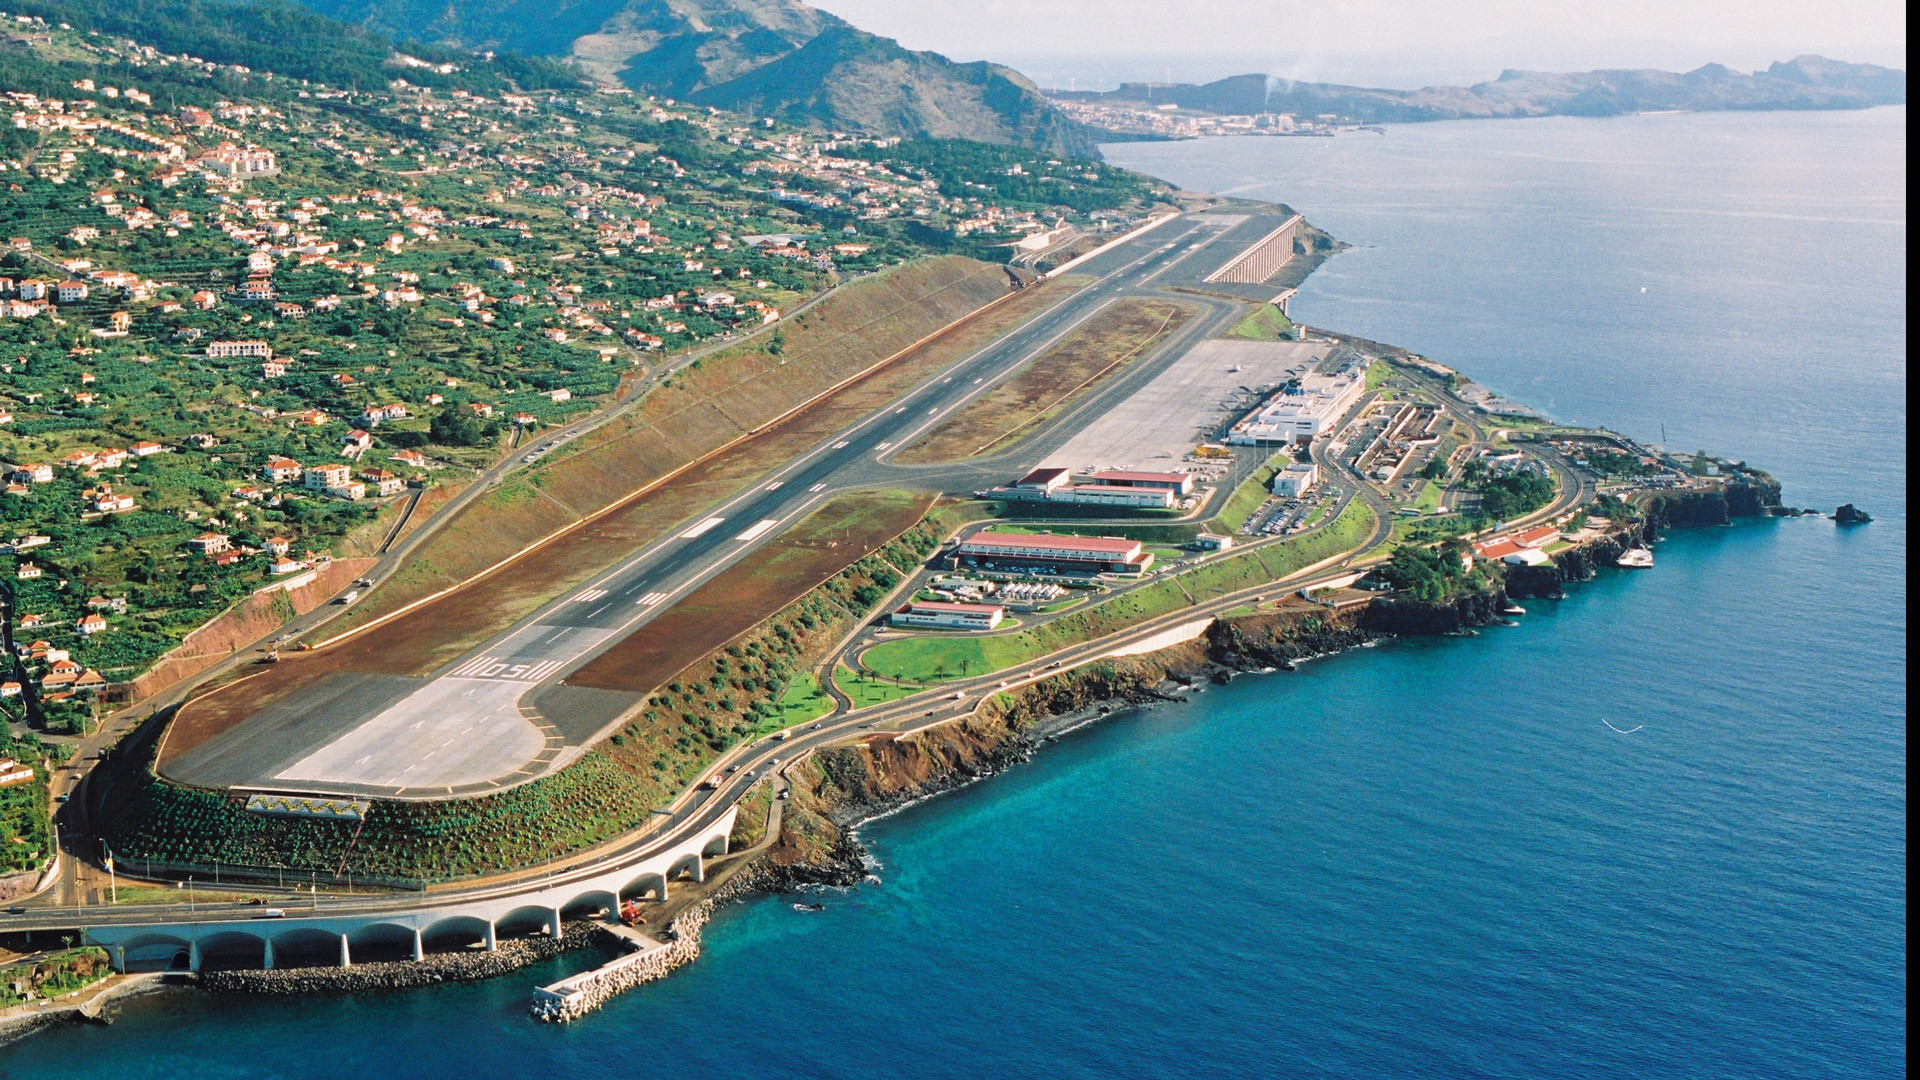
571,998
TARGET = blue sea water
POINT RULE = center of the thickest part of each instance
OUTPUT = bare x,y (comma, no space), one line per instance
1427,859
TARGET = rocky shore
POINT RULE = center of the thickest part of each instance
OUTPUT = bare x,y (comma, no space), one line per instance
588,991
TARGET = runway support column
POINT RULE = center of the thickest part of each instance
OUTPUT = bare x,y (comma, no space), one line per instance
699,869
419,947
193,956
346,954
117,958
492,941
557,930
266,958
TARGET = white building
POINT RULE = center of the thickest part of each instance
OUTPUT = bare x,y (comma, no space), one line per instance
1294,480
945,616
1302,410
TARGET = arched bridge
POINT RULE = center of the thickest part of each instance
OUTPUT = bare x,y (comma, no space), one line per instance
408,927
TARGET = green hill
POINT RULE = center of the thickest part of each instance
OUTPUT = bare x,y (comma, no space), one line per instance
778,58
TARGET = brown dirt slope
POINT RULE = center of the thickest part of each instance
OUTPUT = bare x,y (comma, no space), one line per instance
1051,383
713,402
835,537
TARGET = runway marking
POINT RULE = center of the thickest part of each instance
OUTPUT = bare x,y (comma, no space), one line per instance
651,599
935,411
883,446
702,529
818,486
493,667
589,596
899,410
758,530
841,445
979,380
775,485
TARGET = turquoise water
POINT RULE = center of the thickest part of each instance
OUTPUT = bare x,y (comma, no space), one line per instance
1428,859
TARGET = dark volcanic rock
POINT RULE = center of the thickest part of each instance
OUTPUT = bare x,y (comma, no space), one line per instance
1850,514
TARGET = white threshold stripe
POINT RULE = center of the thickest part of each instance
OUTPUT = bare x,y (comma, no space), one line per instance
818,486
758,530
702,529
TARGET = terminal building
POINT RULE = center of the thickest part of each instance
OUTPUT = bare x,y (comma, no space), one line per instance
1056,554
945,616
1304,409
1130,490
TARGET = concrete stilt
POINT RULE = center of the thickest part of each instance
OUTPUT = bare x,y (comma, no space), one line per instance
554,928
346,954
492,941
193,956
419,947
267,959
117,959
699,869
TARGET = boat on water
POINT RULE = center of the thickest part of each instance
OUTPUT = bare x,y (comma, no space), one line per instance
809,907
1635,559
1513,609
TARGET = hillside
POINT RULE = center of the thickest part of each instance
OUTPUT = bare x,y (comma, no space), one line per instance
1807,82
777,58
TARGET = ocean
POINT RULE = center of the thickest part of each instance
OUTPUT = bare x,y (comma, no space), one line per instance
1430,858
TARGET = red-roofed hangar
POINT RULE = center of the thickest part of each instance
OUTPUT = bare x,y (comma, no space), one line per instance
1066,554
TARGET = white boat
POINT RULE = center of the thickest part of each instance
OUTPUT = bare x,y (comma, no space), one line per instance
1513,609
1635,559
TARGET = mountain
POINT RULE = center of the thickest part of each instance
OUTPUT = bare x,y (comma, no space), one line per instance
778,58
1807,82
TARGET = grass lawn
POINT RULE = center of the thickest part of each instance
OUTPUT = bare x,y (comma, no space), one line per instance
1264,323
1248,496
1429,498
864,694
1377,374
804,701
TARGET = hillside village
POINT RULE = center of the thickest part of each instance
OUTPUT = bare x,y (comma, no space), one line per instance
241,315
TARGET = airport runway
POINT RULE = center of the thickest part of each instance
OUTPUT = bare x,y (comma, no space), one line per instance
473,726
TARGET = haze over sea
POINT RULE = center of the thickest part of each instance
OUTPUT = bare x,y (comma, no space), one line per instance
1430,858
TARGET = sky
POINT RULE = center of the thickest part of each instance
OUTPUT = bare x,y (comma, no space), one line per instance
1093,44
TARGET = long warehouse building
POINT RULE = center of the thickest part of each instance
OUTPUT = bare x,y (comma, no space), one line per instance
1074,554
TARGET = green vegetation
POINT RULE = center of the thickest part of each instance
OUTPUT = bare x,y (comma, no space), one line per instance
1432,574
803,702
1248,497
931,658
1264,323
1503,498
1377,374
865,689
435,236
56,975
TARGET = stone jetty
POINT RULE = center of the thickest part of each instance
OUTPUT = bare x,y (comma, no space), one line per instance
571,998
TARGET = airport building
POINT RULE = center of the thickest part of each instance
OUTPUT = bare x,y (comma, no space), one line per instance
944,616
1304,409
1178,483
1294,480
1060,554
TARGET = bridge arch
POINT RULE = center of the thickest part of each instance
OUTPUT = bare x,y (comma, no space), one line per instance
525,921
689,864
651,885
591,903
232,950
306,946
379,942
153,952
715,845
458,932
